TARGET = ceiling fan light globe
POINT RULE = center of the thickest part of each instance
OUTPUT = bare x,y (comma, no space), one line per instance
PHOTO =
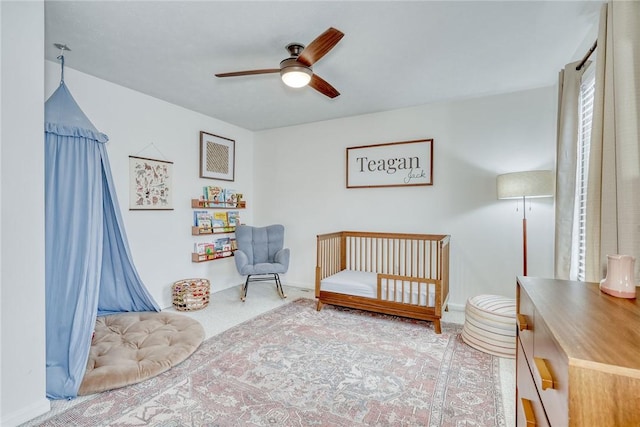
296,76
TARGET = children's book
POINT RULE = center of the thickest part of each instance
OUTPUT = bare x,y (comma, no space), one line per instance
223,245
202,219
230,197
214,194
209,249
233,218
220,219
218,225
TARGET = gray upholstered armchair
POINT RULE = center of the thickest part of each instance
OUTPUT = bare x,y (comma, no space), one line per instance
261,255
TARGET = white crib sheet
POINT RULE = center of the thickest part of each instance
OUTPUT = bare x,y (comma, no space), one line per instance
364,284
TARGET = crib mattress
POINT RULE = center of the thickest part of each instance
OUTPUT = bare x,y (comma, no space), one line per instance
364,284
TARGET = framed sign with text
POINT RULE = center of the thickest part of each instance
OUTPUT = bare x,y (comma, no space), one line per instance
394,164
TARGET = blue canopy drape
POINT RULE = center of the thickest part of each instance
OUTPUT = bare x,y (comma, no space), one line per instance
89,270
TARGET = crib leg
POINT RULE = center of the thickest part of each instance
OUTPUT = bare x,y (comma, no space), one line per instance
319,306
436,326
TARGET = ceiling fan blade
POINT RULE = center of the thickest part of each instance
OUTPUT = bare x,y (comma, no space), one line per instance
320,46
249,72
319,84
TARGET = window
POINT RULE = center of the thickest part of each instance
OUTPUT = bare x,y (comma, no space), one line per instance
587,91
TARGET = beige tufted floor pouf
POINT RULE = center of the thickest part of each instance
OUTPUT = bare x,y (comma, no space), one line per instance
130,347
490,325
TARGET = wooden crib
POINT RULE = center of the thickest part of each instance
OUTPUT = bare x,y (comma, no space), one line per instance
393,273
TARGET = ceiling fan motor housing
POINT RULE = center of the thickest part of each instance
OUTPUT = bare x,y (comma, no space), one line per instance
295,49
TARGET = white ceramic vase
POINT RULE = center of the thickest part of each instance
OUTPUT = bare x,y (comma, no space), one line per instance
620,281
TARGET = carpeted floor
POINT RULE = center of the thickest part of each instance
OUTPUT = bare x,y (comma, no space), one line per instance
296,366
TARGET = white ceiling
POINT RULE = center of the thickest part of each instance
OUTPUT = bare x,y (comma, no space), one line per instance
393,55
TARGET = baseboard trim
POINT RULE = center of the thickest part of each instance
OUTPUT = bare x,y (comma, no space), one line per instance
300,285
456,307
42,406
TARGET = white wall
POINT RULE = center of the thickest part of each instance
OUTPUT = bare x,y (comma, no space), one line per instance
301,184
137,124
22,315
298,179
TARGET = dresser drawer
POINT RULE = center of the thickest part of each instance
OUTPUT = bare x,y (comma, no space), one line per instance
550,369
525,321
529,409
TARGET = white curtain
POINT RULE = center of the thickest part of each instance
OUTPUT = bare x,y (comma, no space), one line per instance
613,197
566,164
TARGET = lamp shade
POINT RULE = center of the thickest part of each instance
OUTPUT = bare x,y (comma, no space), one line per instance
526,184
296,78
294,73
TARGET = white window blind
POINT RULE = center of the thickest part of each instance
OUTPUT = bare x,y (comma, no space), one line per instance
587,91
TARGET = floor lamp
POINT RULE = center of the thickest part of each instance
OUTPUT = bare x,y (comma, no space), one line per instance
523,185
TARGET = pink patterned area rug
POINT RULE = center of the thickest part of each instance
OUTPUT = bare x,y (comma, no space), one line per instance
294,366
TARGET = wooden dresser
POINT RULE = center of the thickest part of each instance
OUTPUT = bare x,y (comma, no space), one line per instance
578,355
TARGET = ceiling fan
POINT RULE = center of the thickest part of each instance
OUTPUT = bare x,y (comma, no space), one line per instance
296,70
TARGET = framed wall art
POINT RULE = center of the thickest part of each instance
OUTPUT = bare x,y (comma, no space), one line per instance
217,157
150,186
394,164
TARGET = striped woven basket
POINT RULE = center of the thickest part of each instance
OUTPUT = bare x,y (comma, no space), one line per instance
190,294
